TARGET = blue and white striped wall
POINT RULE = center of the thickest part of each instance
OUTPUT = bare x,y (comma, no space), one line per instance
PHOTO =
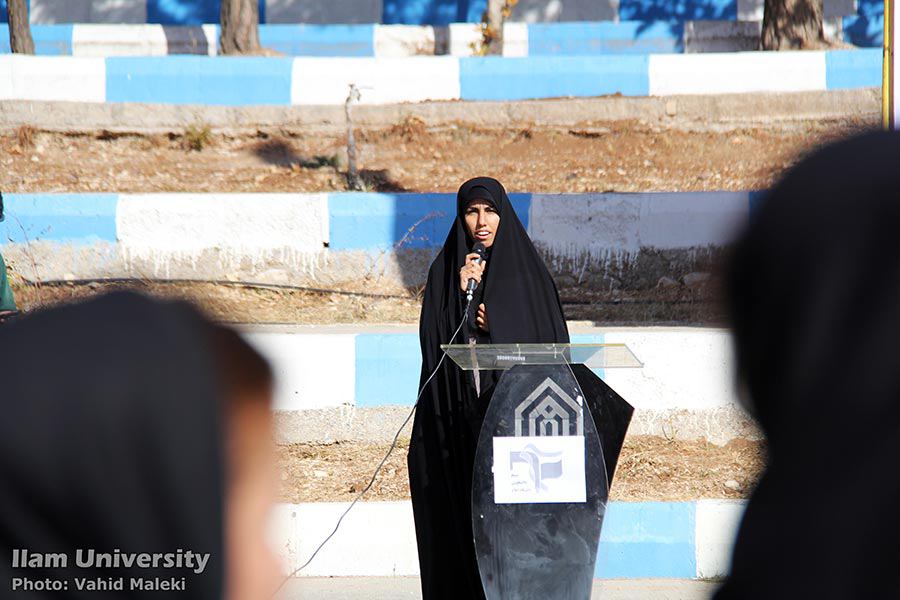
281,238
681,540
410,12
241,81
368,222
337,239
520,39
291,40
376,369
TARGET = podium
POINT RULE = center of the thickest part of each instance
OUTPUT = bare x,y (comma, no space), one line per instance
546,454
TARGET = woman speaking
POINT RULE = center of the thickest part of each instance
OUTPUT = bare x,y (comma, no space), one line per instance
515,301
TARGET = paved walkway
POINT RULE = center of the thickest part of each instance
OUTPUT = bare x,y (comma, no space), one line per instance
402,588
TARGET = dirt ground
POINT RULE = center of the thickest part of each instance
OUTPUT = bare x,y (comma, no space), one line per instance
242,304
598,157
650,468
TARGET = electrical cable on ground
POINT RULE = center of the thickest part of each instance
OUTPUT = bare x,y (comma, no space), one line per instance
383,460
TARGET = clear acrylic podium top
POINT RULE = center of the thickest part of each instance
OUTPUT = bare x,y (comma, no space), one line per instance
496,357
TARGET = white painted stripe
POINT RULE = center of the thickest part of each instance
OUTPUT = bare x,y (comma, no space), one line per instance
241,222
212,38
515,39
63,78
717,524
119,40
753,10
750,10
311,371
286,231
380,80
464,37
44,12
375,539
394,41
571,225
684,368
677,220
736,72
721,36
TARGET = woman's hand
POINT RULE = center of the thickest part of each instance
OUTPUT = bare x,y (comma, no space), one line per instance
481,318
471,270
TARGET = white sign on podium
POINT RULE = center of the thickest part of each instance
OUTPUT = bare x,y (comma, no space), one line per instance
539,469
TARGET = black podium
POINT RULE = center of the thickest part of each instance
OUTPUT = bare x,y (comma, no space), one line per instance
546,454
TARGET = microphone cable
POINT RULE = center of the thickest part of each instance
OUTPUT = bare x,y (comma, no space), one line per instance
383,460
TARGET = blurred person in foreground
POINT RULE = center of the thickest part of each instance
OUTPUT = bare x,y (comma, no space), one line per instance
137,430
814,293
8,308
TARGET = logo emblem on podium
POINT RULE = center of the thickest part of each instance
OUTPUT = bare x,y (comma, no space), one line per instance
549,411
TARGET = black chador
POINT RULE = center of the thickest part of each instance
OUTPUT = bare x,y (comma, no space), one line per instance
523,306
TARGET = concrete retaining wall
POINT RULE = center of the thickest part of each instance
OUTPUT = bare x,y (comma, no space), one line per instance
282,238
359,385
717,113
431,12
457,39
639,540
385,240
248,81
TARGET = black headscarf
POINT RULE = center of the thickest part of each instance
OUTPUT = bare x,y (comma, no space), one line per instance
815,304
518,292
523,306
110,439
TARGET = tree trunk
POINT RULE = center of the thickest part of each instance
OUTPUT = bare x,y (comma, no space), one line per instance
495,26
792,25
19,31
240,27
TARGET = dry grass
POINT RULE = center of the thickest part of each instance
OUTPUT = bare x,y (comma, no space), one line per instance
241,304
197,137
410,156
25,135
650,468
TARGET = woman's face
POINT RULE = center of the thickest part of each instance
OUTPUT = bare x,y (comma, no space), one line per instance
482,221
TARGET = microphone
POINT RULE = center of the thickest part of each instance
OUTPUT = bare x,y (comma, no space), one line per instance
479,249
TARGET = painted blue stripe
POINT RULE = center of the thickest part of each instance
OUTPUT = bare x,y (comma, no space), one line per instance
604,37
49,40
865,32
432,12
230,81
3,15
871,8
71,218
499,78
648,539
596,338
189,12
375,222
319,40
677,10
850,69
388,367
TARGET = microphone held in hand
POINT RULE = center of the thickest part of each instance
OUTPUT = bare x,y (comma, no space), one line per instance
478,249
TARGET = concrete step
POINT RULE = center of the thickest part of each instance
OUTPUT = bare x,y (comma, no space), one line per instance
359,383
403,588
674,540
